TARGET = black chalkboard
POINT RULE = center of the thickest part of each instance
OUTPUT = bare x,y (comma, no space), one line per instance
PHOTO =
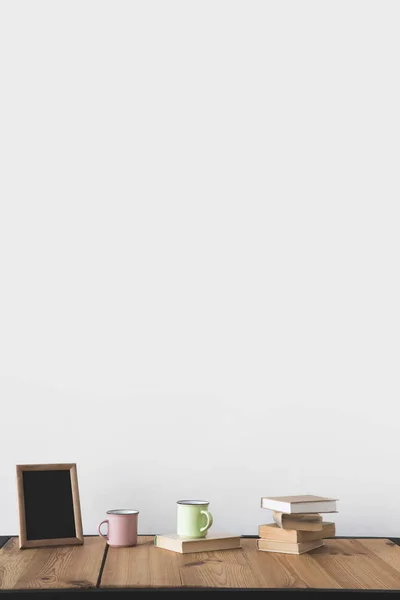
49,507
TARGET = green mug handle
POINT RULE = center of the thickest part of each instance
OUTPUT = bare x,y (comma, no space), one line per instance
209,518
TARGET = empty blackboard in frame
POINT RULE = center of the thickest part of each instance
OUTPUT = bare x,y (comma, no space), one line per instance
49,505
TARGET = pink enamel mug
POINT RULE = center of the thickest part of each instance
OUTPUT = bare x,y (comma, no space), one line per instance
122,527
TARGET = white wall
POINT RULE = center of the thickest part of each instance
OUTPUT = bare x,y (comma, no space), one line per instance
199,246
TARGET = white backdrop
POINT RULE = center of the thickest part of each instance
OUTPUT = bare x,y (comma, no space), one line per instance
199,250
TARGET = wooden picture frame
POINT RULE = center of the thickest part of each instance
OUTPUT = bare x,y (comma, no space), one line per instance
26,540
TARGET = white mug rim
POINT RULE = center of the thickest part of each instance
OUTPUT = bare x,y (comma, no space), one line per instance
193,502
122,511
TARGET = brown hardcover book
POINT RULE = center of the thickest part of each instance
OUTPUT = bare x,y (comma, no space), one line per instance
288,547
272,531
300,504
173,542
301,522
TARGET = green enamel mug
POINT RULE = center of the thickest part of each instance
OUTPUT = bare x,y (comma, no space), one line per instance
193,518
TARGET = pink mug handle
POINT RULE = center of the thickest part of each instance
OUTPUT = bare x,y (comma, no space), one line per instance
99,530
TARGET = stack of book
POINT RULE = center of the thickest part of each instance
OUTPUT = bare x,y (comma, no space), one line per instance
298,526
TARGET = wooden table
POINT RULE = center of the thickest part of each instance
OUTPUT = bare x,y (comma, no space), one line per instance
342,564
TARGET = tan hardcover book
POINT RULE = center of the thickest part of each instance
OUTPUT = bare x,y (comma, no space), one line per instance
300,504
173,542
272,531
301,522
288,547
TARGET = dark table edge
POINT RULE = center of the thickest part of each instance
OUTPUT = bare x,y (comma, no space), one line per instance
111,592
4,539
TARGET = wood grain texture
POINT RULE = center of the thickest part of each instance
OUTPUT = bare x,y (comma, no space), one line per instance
222,568
340,563
148,566
77,503
354,566
21,506
56,542
143,565
386,550
46,467
284,570
51,568
13,563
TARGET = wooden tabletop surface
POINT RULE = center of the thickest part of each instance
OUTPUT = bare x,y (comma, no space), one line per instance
365,563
